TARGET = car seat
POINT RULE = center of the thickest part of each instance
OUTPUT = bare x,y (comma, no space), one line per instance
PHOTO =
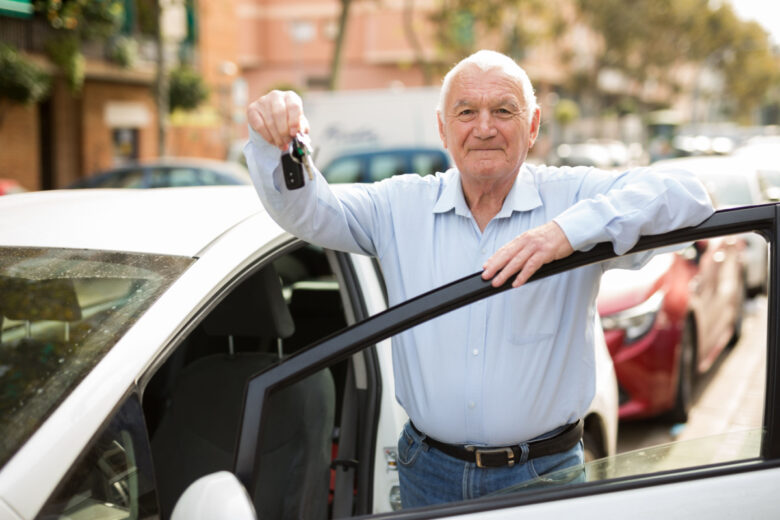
199,431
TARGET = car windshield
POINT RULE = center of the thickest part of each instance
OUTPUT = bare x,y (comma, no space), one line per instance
698,452
61,311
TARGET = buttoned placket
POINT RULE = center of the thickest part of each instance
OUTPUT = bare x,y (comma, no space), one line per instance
476,345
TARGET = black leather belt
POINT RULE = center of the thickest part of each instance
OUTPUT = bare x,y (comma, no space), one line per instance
496,457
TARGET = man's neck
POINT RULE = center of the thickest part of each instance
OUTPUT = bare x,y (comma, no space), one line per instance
485,199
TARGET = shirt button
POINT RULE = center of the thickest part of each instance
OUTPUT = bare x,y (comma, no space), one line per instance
472,404
484,251
475,351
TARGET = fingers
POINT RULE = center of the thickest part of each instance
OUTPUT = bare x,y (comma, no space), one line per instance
525,254
277,117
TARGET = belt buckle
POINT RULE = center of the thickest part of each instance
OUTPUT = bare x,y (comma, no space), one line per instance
510,455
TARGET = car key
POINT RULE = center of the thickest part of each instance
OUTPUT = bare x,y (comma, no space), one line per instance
293,163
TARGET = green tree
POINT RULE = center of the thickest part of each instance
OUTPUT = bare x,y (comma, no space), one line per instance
75,21
463,25
645,39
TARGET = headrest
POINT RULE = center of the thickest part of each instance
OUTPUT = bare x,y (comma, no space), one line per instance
31,300
256,309
316,297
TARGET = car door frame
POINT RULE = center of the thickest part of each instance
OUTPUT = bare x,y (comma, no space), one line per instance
764,219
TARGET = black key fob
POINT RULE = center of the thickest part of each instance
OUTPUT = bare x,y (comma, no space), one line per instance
292,171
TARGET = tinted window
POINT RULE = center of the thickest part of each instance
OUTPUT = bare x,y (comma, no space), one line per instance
123,179
62,310
172,177
428,163
386,165
347,169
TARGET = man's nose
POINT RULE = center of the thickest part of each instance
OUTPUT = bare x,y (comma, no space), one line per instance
485,127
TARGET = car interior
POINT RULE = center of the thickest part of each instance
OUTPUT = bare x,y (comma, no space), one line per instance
193,405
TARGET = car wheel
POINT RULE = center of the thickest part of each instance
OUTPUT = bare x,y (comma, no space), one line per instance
686,374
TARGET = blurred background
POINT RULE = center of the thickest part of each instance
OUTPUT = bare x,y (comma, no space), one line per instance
92,86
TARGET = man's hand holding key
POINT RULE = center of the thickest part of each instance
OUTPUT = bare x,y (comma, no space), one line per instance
278,118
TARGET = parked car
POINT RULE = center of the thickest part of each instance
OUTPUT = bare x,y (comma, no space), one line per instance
375,165
130,338
168,173
761,153
666,323
732,182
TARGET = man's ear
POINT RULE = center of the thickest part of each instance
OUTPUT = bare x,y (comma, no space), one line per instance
442,130
534,130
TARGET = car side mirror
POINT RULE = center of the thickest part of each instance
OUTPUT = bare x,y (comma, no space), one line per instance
218,496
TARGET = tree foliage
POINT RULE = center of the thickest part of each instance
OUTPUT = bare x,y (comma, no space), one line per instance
645,39
186,89
20,80
76,21
510,26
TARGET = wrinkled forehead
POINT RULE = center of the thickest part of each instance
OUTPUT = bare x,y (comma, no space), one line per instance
473,85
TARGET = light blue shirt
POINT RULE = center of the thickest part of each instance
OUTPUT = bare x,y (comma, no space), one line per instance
513,366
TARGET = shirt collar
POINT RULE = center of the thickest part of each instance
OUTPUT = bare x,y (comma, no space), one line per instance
523,196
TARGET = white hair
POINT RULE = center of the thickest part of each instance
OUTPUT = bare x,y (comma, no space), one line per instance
489,60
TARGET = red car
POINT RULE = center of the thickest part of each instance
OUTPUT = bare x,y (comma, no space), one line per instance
666,323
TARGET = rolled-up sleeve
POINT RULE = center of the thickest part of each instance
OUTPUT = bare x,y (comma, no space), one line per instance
642,201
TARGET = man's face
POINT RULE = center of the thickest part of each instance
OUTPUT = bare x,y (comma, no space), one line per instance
487,129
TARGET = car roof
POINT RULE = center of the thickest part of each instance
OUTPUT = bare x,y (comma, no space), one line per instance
173,221
401,150
705,164
192,162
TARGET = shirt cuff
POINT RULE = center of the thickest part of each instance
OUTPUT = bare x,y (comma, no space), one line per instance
262,159
578,225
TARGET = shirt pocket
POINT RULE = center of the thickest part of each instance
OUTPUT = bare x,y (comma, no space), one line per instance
534,312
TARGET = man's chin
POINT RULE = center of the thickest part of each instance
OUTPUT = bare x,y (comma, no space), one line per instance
488,171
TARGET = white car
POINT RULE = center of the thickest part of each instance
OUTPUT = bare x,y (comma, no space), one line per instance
154,363
732,181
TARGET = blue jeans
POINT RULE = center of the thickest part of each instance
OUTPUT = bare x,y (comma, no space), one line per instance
428,476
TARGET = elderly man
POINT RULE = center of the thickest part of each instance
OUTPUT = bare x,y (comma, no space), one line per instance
495,391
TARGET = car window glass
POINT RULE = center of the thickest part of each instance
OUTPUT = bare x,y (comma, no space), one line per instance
62,310
428,163
114,478
124,179
347,169
382,166
684,340
173,177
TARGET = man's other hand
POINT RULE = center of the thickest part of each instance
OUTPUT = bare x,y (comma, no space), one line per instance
526,253
278,117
